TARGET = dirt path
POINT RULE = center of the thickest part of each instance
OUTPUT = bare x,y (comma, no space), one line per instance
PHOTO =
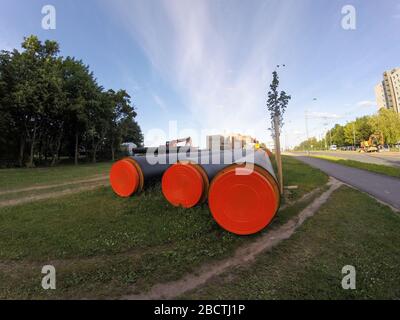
50,195
242,256
50,186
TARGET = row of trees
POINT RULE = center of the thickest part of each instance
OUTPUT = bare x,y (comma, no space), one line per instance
51,106
385,122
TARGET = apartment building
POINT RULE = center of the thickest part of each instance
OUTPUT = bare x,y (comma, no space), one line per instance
388,91
230,141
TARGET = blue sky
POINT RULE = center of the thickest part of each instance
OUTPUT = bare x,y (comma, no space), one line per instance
206,65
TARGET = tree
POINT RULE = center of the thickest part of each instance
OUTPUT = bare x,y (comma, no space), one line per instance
311,144
387,122
52,106
123,114
79,86
337,135
277,103
364,128
30,82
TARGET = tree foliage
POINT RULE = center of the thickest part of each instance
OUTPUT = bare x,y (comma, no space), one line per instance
277,101
51,106
385,122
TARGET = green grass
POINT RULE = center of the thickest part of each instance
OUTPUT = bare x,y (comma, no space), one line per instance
351,229
102,245
296,173
22,178
377,168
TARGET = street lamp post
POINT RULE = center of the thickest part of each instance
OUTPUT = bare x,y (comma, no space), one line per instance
308,138
307,131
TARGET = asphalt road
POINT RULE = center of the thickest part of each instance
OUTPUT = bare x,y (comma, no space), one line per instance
385,158
384,188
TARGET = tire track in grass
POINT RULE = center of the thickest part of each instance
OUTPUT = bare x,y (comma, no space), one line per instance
243,255
56,194
96,178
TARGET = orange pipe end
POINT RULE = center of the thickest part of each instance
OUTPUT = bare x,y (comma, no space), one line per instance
244,204
185,185
124,178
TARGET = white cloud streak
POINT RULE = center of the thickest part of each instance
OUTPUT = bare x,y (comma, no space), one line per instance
323,115
217,58
160,102
366,104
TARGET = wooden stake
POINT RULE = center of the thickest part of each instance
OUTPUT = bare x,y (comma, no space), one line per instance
278,153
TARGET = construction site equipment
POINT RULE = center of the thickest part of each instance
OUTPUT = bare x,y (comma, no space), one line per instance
163,150
243,196
186,183
174,143
375,142
131,175
244,200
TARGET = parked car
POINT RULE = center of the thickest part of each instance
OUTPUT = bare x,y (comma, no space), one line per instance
333,147
384,148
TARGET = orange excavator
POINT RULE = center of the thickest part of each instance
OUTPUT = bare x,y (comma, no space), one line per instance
373,144
174,143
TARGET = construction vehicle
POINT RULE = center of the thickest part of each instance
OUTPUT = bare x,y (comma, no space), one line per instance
174,143
165,149
375,142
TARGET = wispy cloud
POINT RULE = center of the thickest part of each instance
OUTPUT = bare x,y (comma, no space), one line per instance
366,104
160,102
217,58
323,115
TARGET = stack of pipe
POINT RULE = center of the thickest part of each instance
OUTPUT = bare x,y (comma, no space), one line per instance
241,187
131,175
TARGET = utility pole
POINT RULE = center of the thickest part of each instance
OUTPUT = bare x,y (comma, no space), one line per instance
354,136
308,138
307,115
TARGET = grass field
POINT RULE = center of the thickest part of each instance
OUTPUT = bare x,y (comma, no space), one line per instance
351,229
104,246
377,168
22,178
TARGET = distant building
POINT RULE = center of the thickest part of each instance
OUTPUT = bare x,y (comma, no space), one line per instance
128,148
388,91
380,96
230,141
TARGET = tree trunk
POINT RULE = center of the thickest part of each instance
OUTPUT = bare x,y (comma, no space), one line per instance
112,150
21,151
94,155
278,153
76,147
95,147
112,153
56,153
31,155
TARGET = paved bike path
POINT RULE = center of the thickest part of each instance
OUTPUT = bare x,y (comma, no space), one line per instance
384,188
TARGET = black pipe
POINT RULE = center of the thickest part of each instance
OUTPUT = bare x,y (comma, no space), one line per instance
187,182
